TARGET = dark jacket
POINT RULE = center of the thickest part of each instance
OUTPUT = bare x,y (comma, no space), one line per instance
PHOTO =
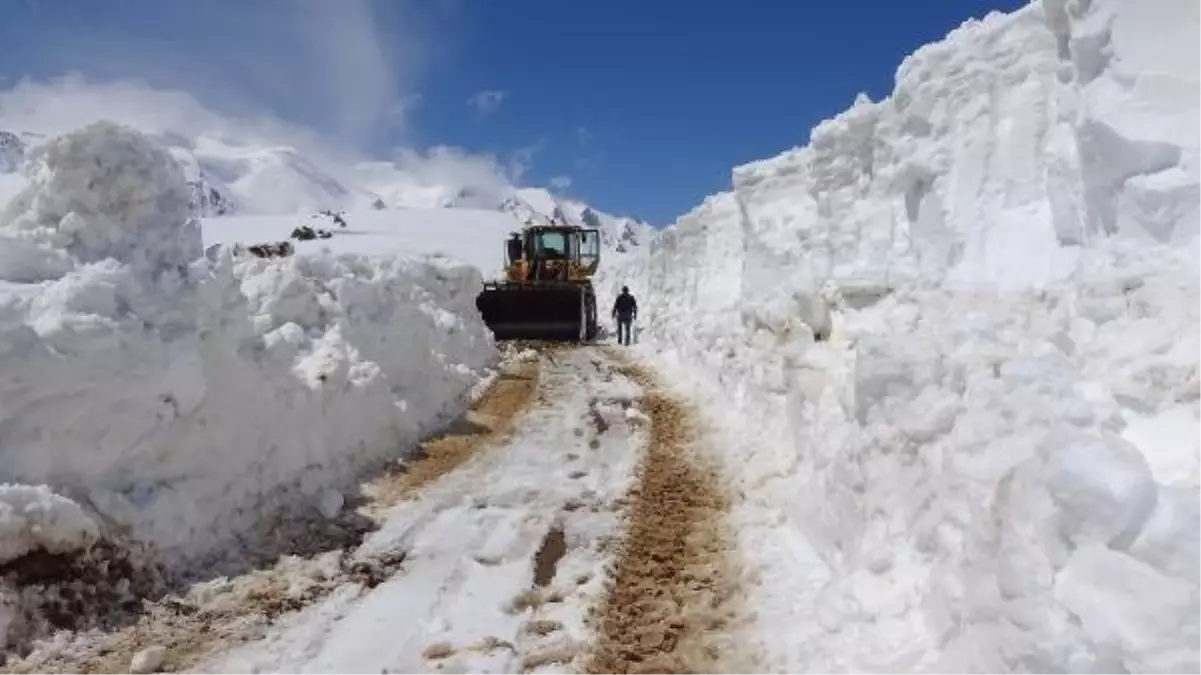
625,307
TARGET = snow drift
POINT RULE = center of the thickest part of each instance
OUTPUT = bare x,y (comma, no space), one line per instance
954,343
180,400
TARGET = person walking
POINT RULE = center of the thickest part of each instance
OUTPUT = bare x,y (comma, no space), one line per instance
625,310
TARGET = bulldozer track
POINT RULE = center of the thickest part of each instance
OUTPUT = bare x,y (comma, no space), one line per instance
670,591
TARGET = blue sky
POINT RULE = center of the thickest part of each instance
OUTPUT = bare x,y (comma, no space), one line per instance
645,105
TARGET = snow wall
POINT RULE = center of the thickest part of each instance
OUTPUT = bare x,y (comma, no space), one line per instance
953,343
180,400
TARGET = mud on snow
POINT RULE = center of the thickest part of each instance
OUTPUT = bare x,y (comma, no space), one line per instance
96,612
568,522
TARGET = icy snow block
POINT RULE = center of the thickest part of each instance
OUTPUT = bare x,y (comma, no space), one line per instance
1161,205
892,368
1170,540
34,518
1121,602
106,191
931,414
1102,486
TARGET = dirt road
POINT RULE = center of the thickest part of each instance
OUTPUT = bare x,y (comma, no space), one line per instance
568,523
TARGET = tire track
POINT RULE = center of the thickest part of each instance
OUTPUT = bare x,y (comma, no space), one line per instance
670,593
488,422
664,607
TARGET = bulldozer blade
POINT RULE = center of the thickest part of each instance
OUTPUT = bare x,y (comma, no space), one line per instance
532,313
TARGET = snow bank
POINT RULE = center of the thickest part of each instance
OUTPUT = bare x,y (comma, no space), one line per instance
182,400
936,338
472,236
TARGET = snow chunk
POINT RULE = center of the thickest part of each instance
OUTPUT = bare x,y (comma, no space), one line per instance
103,192
1168,442
1103,488
33,518
1152,618
149,660
1171,540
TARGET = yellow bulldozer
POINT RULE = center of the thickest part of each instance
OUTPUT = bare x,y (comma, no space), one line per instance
546,292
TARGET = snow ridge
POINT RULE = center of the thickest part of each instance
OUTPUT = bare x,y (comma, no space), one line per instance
182,400
538,206
939,338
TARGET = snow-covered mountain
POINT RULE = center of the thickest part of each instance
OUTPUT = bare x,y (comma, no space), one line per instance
236,169
237,178
253,179
539,205
248,180
12,152
438,178
12,157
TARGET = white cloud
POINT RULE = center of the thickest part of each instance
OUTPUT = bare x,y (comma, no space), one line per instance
54,107
323,80
484,102
400,109
583,136
522,159
338,67
351,58
447,165
62,104
560,182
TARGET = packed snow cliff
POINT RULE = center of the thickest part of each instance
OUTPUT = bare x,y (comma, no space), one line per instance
954,343
177,400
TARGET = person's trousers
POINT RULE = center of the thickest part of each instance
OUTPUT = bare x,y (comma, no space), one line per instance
623,330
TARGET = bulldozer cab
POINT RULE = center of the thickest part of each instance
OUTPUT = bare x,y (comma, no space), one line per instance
548,243
514,249
588,247
546,251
